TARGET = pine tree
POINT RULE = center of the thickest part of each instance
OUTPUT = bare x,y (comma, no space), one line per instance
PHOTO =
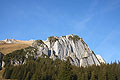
28,77
65,71
93,76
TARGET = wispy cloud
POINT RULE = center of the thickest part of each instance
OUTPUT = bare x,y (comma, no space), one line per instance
80,25
110,6
92,12
108,47
92,6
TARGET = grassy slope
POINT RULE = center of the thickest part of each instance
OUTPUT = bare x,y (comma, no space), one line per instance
7,48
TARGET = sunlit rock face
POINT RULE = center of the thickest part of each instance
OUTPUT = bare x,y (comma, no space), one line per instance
100,59
70,47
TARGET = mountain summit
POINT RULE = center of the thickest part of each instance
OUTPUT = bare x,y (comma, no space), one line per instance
70,47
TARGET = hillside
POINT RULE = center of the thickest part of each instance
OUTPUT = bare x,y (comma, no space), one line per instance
58,58
70,47
6,48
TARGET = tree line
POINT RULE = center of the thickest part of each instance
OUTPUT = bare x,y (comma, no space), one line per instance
45,68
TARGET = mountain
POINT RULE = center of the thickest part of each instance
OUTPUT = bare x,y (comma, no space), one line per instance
8,41
10,45
70,47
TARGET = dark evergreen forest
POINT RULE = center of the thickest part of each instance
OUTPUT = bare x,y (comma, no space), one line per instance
47,69
44,68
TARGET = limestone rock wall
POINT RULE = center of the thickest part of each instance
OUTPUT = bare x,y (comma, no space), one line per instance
70,46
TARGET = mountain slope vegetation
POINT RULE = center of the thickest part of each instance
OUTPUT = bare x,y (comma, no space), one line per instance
48,69
64,58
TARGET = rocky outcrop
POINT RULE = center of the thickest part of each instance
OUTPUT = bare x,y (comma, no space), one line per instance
100,59
1,56
10,41
70,47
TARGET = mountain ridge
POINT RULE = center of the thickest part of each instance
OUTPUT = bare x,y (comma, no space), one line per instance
70,47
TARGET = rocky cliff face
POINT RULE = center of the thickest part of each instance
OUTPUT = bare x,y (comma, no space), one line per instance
70,47
100,59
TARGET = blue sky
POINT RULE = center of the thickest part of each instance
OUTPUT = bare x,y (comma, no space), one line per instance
96,21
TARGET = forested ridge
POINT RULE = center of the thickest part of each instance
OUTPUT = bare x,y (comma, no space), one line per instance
45,68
